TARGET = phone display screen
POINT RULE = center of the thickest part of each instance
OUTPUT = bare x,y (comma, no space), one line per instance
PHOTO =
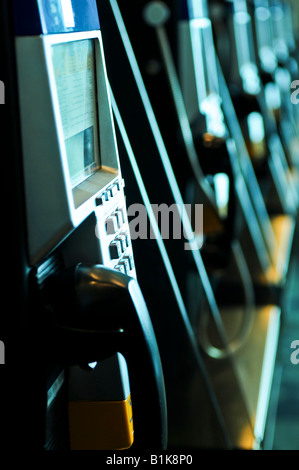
75,76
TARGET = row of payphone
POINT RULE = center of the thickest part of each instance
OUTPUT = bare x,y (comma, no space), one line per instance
142,343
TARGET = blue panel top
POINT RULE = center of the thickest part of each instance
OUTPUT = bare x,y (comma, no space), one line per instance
35,17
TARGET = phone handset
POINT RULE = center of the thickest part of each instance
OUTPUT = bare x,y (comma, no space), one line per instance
101,312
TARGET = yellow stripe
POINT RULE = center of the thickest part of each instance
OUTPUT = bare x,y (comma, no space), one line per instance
101,425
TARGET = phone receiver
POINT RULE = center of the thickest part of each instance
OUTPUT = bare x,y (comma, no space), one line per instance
99,312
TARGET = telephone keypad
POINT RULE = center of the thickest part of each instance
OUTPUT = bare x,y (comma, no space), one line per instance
120,243
113,231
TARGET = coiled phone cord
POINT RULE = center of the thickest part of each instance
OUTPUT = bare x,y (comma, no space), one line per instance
246,328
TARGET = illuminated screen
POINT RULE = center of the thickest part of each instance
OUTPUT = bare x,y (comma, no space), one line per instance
74,68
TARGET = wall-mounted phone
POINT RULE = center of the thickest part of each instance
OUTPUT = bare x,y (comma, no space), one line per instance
76,212
274,45
136,29
204,89
249,98
71,165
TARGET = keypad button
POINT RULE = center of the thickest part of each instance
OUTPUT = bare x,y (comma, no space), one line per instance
112,190
130,260
127,239
115,250
111,225
106,195
100,200
120,217
122,241
120,268
124,262
121,184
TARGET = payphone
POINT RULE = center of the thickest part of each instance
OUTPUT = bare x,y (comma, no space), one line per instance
278,69
149,85
82,273
159,159
250,104
205,92
247,71
259,128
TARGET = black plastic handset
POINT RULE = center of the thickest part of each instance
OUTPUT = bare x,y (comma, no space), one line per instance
100,312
